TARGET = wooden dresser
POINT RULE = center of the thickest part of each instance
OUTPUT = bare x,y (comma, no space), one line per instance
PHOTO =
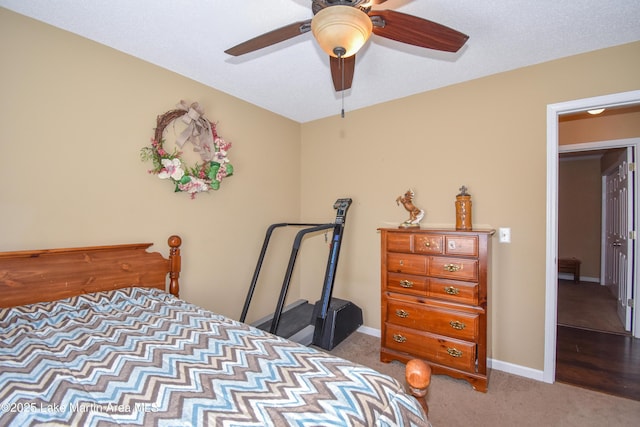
434,300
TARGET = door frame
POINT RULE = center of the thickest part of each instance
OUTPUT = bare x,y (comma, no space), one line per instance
551,298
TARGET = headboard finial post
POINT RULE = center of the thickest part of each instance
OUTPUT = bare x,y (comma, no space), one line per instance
418,376
174,264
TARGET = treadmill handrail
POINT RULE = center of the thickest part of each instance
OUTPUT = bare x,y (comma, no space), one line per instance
287,277
263,252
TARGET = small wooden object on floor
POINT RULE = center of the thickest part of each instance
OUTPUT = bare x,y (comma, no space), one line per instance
570,265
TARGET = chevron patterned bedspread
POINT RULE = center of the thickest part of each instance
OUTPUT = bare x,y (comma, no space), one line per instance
143,357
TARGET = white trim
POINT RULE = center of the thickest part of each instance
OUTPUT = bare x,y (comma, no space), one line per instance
603,230
551,299
551,273
510,368
370,331
569,276
587,146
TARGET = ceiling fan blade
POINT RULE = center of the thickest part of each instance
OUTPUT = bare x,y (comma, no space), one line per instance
416,31
342,67
272,37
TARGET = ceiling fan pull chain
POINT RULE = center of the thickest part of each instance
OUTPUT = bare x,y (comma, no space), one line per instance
342,65
339,53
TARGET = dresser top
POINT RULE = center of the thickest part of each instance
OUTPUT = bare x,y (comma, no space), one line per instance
423,230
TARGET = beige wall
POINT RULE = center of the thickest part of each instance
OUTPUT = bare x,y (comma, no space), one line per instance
489,134
599,128
75,115
579,213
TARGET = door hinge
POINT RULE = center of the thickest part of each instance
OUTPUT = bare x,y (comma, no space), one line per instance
632,167
630,303
632,235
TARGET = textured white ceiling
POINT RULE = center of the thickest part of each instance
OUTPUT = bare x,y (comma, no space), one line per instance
293,79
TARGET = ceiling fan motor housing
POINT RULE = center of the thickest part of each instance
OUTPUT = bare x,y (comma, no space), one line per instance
318,5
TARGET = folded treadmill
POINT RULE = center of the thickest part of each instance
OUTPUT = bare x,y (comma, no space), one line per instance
329,320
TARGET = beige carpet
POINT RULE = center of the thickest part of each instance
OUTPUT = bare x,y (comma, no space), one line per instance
588,305
510,401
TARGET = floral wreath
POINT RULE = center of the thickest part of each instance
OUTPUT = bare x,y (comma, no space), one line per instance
202,134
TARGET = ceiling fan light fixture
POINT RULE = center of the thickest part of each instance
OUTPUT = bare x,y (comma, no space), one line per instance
341,30
596,111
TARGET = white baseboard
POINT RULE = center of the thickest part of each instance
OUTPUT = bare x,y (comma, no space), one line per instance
569,276
370,331
521,371
498,365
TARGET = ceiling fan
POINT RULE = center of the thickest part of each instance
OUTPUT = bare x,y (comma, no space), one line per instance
342,27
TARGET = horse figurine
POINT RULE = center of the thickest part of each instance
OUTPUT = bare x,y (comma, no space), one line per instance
415,214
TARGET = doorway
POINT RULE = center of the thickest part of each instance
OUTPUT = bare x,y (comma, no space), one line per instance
595,349
591,213
553,113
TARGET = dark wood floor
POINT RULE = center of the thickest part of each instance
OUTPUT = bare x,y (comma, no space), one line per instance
608,363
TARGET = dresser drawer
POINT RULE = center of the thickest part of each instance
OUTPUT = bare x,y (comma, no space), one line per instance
428,244
461,245
454,324
446,351
407,284
399,242
460,292
453,268
404,263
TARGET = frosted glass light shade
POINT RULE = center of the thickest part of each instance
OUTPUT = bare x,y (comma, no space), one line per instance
341,27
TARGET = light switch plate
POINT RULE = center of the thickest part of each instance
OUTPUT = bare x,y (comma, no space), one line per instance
504,235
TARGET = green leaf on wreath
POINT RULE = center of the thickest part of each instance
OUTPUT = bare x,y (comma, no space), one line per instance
213,170
215,184
229,169
185,179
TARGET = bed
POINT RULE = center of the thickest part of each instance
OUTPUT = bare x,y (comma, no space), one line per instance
99,336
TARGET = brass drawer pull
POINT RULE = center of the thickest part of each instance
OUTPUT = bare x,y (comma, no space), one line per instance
401,262
454,352
451,290
452,267
402,313
455,324
427,243
399,338
406,283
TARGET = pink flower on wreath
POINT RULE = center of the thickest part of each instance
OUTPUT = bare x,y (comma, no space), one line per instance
222,145
222,172
161,151
194,186
220,157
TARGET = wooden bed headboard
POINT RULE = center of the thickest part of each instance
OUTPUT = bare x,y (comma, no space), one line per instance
31,276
